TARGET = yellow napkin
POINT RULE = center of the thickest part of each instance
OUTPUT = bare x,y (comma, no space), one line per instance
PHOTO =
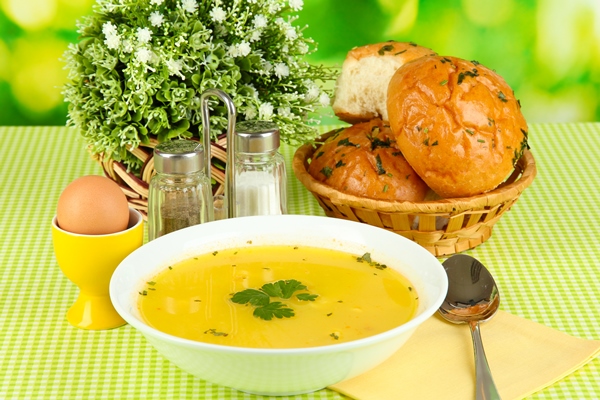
437,361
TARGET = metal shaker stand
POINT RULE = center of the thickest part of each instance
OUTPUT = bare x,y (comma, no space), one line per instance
231,119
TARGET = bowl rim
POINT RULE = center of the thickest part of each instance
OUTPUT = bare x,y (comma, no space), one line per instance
148,330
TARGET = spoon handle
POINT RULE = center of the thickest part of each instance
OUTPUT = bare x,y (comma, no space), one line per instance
485,389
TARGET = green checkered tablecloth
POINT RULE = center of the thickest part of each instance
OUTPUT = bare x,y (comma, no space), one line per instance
545,254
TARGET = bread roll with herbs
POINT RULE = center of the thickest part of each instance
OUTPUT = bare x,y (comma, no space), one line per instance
457,123
361,89
362,160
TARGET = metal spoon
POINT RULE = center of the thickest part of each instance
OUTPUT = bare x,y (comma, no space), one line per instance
472,298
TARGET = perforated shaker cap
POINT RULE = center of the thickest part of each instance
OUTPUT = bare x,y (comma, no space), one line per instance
179,157
256,136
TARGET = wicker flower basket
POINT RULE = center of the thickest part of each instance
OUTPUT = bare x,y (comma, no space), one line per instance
135,186
443,227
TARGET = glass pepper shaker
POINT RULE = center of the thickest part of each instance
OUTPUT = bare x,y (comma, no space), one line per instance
180,193
259,170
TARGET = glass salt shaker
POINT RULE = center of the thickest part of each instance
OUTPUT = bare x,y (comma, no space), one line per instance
259,170
180,193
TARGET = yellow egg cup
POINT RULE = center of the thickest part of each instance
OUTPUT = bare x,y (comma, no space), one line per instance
89,262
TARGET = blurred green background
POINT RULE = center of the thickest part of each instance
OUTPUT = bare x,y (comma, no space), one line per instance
547,50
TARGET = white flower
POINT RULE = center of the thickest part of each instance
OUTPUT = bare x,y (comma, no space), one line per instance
255,36
273,7
156,18
296,5
233,51
217,14
250,113
156,2
290,32
285,112
175,67
302,48
109,29
144,35
260,21
112,38
189,5
112,41
127,46
144,55
244,48
312,92
281,70
239,50
324,99
265,111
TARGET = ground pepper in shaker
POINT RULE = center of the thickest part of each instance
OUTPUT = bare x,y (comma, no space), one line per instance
180,193
260,177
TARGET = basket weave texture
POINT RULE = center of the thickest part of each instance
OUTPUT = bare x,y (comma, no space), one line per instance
135,186
443,227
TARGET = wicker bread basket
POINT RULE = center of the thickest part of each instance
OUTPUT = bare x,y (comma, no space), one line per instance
135,186
443,227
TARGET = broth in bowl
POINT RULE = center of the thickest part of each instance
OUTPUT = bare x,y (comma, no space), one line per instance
274,296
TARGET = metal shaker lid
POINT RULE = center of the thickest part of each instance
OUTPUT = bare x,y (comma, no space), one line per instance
256,136
179,157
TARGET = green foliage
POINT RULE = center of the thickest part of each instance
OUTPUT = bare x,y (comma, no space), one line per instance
140,67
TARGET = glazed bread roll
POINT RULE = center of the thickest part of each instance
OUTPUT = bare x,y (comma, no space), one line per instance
362,160
361,89
457,123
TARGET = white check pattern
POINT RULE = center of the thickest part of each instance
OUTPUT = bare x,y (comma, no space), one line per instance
543,253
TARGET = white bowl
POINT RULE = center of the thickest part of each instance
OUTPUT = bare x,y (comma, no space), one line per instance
280,371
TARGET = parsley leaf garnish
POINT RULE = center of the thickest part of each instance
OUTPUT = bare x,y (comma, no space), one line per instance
307,296
252,296
283,289
275,309
260,298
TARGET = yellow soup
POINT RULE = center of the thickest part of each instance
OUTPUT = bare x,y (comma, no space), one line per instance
277,297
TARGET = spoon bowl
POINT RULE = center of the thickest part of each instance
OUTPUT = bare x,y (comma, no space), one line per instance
472,298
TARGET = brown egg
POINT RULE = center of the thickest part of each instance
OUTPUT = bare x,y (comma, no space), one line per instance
92,205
